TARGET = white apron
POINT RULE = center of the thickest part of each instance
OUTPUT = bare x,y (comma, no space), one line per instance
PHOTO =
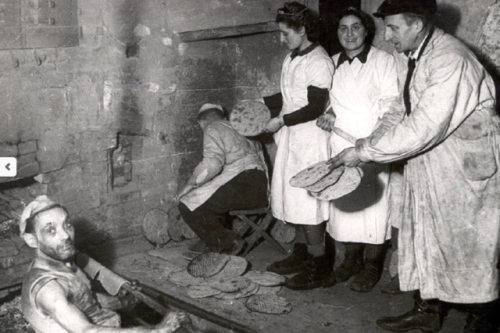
360,94
301,145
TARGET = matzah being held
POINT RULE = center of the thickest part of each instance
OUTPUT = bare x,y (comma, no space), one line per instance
310,175
326,181
249,118
347,183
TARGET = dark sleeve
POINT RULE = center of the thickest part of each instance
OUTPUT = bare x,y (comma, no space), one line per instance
274,103
317,98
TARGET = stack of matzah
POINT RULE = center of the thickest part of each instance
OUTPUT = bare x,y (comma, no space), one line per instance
223,277
325,184
249,118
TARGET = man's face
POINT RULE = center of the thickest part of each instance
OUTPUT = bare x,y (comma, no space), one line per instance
292,38
401,34
55,234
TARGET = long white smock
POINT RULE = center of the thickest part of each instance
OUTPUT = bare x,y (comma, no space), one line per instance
301,145
361,93
449,238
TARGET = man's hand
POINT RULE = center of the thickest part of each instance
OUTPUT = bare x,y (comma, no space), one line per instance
347,157
273,125
326,122
185,190
171,322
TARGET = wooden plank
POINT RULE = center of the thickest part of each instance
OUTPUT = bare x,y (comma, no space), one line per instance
224,32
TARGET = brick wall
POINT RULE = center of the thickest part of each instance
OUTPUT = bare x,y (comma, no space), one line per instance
108,127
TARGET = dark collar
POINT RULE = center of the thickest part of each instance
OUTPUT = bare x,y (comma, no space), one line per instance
361,56
305,51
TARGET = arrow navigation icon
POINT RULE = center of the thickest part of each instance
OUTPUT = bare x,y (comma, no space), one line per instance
8,166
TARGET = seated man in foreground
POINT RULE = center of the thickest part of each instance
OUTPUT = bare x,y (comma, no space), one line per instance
231,176
56,294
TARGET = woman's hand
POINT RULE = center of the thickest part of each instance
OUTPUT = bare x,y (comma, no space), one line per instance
273,125
347,157
326,122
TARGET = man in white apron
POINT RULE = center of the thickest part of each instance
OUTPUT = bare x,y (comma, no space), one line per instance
231,176
449,236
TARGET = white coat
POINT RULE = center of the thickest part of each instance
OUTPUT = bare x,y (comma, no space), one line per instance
361,93
449,238
301,145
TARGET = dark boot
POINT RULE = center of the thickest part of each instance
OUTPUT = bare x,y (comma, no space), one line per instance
317,273
482,318
294,263
425,316
352,263
371,272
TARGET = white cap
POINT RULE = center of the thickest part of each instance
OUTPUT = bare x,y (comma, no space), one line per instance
207,106
41,203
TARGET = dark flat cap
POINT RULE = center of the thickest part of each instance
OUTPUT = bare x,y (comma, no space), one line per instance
394,7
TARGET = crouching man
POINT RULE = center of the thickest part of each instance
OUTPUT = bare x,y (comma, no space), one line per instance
231,176
56,294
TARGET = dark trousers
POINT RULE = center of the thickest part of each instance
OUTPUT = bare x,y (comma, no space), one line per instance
247,190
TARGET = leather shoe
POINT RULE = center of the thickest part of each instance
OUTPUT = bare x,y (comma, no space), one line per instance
418,318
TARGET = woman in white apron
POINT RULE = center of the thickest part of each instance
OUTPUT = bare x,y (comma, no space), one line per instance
364,87
305,80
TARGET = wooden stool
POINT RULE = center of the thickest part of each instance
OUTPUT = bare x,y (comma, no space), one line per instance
263,218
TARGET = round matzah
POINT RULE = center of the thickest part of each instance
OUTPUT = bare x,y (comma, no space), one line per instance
283,233
268,279
347,183
202,291
270,304
155,226
234,267
251,289
326,181
207,264
231,284
183,278
263,290
310,175
249,118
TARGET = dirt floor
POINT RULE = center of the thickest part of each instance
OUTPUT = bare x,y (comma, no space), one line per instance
335,309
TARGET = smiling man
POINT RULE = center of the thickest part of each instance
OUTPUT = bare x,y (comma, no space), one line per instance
56,293
449,236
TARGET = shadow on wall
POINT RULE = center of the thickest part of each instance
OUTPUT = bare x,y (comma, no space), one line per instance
92,241
448,18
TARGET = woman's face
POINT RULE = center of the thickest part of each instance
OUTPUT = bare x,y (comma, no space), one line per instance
292,38
352,34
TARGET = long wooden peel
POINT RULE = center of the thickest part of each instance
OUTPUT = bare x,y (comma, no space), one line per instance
343,134
163,298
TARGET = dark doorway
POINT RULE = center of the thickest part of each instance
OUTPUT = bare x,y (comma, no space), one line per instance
328,9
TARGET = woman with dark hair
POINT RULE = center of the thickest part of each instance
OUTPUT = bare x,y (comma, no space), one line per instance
364,94
305,82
